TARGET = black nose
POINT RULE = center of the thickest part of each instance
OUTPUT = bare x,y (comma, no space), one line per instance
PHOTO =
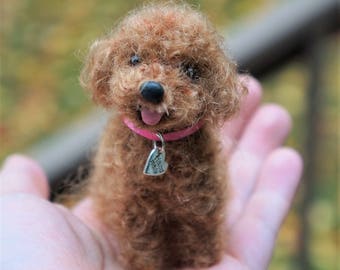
152,91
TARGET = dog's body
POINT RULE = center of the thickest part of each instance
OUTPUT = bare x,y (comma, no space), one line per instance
164,70
166,221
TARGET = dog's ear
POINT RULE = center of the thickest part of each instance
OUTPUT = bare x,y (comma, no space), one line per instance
227,92
97,71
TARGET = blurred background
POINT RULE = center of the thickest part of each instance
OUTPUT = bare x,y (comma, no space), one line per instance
292,46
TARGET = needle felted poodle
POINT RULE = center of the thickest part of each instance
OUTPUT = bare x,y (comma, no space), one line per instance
158,181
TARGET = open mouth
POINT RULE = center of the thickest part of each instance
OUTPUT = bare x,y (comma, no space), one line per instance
150,118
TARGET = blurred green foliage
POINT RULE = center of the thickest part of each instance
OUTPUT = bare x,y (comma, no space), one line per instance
42,46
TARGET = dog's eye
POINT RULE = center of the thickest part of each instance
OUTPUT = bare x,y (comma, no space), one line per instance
135,60
191,71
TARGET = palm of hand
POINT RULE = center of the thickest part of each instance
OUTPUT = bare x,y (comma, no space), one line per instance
38,234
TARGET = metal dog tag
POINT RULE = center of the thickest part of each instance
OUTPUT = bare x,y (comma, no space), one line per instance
156,164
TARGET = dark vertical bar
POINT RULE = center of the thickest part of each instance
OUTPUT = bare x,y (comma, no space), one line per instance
313,117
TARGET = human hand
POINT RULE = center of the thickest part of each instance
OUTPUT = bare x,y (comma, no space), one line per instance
38,234
263,180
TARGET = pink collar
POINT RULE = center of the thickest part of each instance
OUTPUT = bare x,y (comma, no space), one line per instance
171,136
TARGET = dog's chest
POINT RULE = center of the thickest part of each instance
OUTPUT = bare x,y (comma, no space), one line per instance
182,158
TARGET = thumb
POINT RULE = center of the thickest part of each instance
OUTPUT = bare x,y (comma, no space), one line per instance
21,174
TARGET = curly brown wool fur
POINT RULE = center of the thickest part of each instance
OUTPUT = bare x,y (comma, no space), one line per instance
173,220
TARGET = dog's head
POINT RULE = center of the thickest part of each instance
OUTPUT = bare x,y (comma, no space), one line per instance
164,68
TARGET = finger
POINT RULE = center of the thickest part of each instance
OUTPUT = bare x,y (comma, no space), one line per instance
232,129
266,131
23,175
275,189
252,238
269,128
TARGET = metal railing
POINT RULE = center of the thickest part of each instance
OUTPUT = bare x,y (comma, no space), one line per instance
293,28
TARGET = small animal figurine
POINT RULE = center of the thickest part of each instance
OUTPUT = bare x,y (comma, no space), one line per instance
159,182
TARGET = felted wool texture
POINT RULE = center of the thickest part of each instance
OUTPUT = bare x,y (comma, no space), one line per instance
176,219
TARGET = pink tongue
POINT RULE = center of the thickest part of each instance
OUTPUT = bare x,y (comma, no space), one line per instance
151,118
